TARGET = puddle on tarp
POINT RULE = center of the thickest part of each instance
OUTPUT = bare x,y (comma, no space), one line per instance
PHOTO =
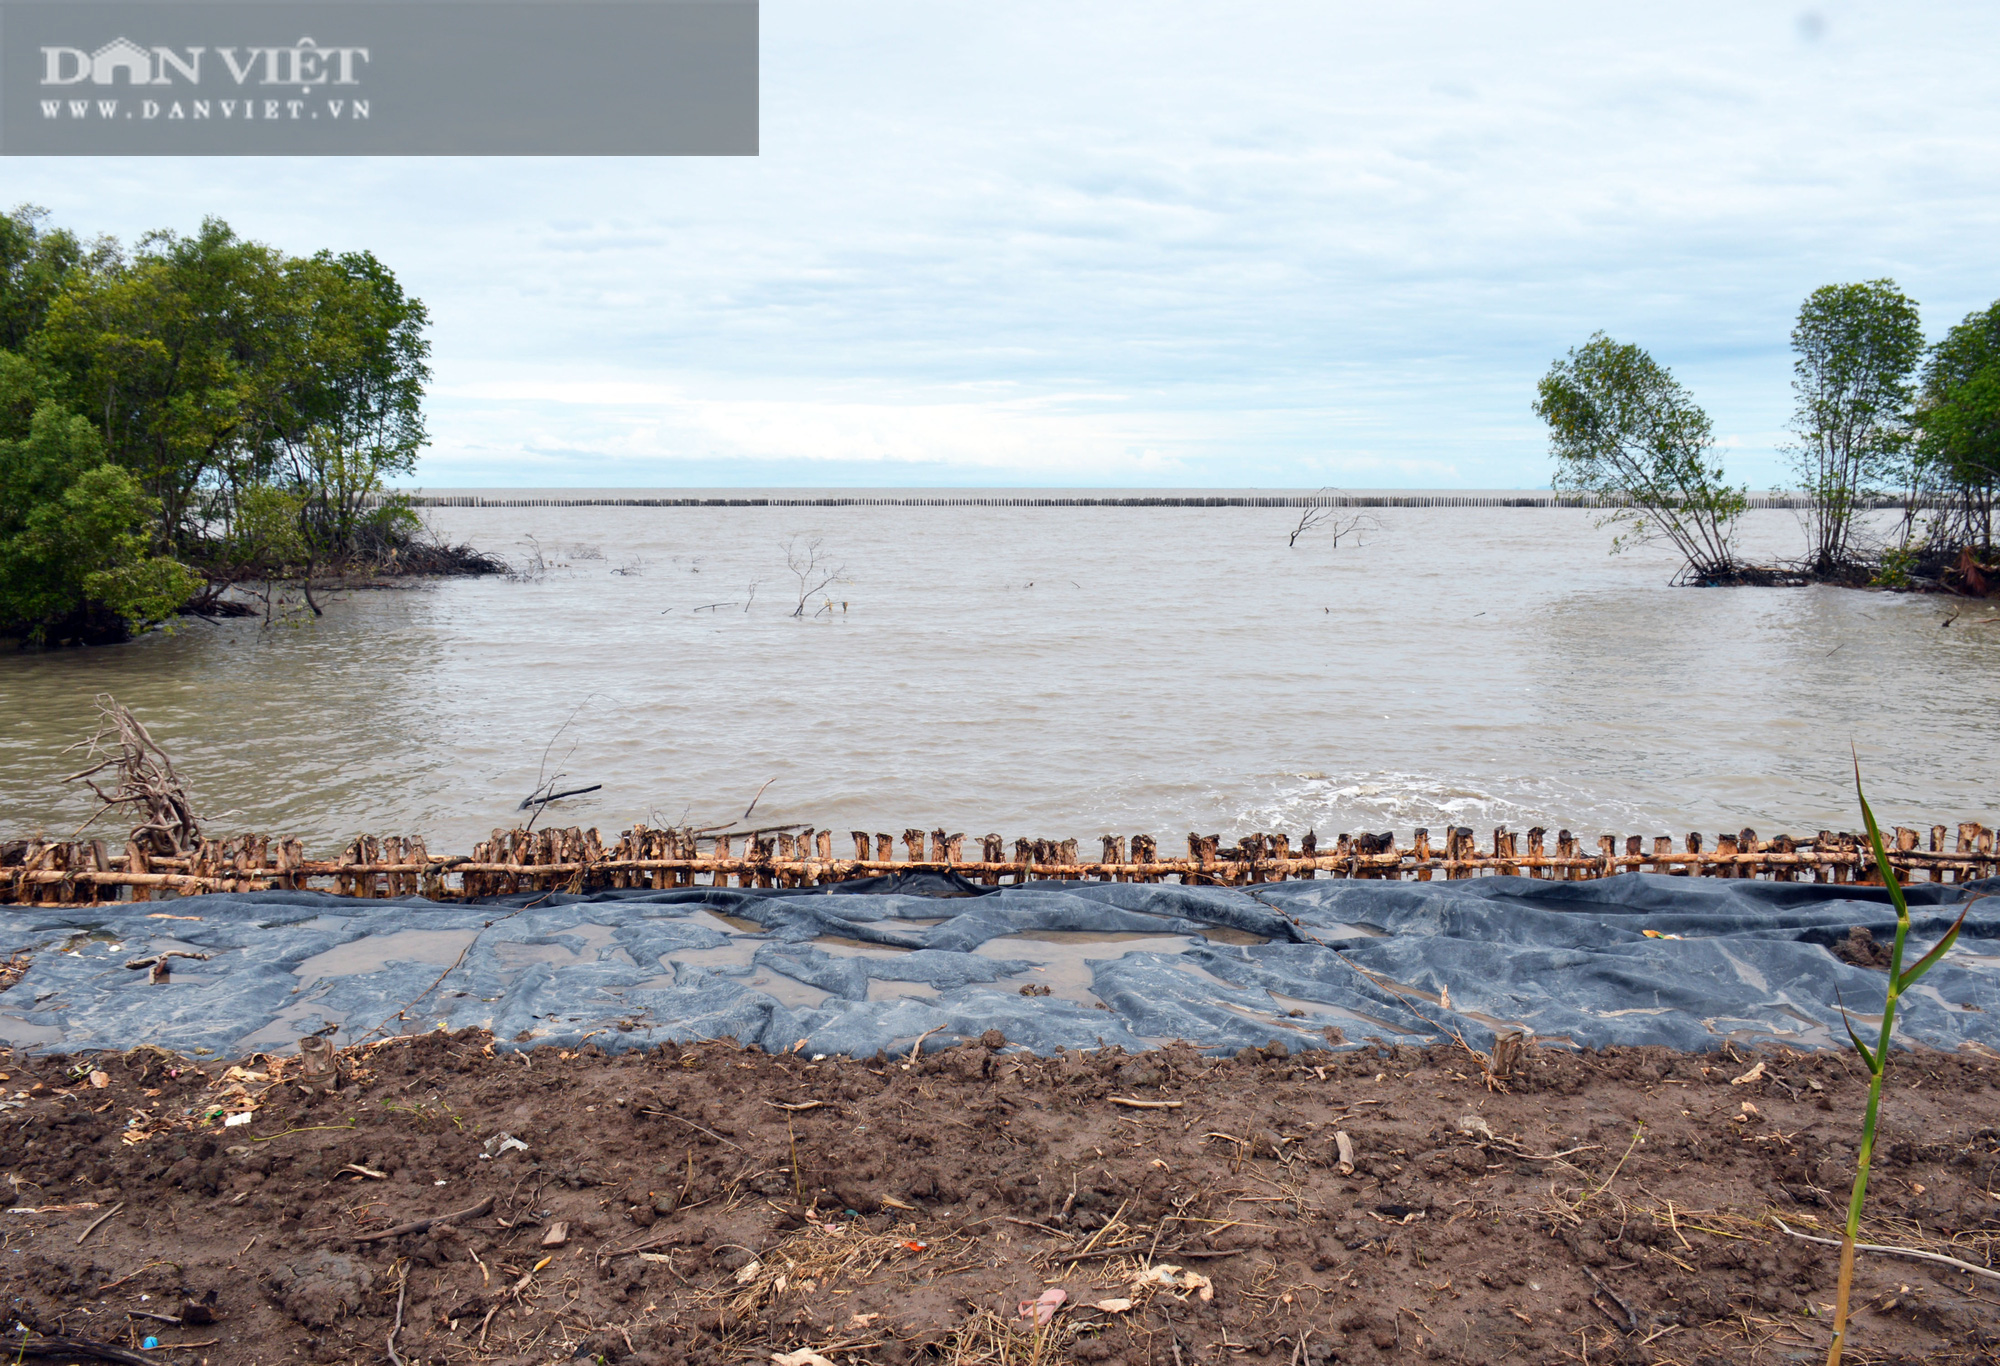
773,984
76,943
1223,934
737,953
1059,956
19,1033
858,948
378,951
283,1029
879,990
514,956
717,920
1318,1015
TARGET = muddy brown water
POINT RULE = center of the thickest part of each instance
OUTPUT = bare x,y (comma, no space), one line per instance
1058,672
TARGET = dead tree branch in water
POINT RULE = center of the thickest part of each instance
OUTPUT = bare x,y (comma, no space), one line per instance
166,822
814,569
545,781
1317,516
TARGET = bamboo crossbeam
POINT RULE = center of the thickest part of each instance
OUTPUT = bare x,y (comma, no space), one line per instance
57,873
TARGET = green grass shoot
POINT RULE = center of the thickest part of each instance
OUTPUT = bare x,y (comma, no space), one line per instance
1877,1058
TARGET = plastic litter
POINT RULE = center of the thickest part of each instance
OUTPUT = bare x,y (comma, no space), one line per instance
501,1144
1042,1309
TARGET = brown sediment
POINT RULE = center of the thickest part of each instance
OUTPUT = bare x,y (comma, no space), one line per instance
69,872
717,1205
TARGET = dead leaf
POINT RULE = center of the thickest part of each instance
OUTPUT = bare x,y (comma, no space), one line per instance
748,1272
1754,1074
1346,1146
805,1356
1113,1306
100,1080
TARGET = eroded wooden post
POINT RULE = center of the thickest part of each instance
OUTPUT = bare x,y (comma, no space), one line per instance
1201,852
1146,850
136,862
1783,847
1420,850
992,850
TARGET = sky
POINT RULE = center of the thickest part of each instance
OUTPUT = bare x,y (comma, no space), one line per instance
1160,244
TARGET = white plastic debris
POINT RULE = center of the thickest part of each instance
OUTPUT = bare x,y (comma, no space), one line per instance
501,1144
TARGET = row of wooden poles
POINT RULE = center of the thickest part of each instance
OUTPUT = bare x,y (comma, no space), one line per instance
34,872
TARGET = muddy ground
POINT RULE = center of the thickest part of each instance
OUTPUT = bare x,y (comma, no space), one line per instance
710,1205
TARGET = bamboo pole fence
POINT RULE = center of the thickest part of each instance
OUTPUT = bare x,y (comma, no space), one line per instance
70,873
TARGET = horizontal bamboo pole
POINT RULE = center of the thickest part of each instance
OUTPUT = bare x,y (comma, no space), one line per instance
83,872
844,869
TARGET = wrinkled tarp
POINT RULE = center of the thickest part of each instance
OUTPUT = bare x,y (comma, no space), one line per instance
872,966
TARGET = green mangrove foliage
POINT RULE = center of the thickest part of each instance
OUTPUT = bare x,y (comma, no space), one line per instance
1957,462
1876,412
181,392
1622,428
1856,353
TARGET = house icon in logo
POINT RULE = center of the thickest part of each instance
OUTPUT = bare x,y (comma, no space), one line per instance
121,54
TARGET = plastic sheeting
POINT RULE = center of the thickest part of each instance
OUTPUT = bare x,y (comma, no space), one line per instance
872,966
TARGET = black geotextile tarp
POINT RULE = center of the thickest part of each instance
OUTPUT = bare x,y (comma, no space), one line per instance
1394,961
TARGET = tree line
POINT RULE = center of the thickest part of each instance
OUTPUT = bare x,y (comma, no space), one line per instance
192,411
1876,413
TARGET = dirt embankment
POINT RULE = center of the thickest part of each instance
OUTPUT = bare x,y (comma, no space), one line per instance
712,1205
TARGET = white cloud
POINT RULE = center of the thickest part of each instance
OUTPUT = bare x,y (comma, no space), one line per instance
1120,243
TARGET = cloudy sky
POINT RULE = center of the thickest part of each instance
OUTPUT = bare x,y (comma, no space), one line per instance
1160,244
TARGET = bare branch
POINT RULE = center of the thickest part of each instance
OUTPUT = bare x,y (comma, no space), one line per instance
163,812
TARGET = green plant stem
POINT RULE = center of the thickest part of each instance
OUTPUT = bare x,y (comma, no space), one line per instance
1878,1060
1861,1163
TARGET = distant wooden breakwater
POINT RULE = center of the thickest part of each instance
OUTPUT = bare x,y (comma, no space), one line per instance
1276,500
68,873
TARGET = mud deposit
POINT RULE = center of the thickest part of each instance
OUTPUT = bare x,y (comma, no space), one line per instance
712,1205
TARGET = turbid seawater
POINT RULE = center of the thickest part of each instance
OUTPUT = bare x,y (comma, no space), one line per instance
1049,672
